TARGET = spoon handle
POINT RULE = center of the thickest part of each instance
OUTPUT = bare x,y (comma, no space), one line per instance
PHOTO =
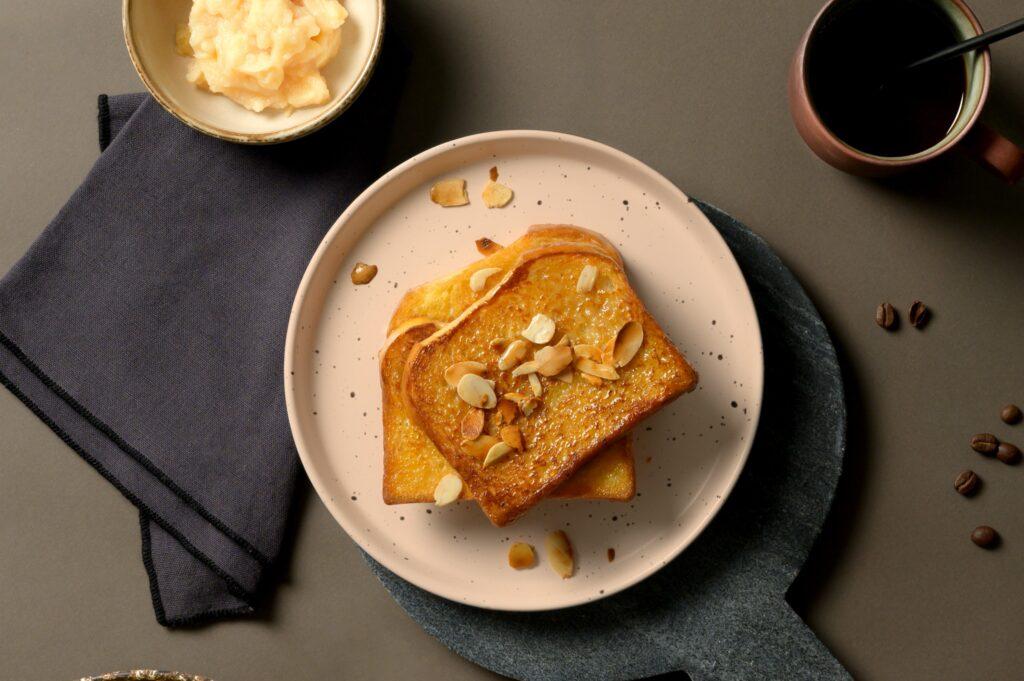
986,38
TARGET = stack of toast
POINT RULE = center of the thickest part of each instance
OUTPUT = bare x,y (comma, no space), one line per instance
520,377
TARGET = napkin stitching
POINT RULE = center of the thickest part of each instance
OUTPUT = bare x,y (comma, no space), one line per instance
154,588
234,587
131,451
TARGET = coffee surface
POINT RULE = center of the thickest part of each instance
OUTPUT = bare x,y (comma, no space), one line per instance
854,81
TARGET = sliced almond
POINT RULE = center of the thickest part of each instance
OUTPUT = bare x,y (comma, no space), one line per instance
363,273
592,380
589,366
479,447
507,411
514,354
454,373
608,353
587,351
448,489
530,367
540,331
485,246
585,284
535,385
565,376
564,340
627,342
472,424
496,195
521,556
553,359
560,554
493,173
498,344
528,405
476,392
496,453
478,280
449,193
512,436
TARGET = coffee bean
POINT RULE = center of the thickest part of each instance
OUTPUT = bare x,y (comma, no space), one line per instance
966,483
918,315
1008,453
1011,414
885,316
985,537
985,443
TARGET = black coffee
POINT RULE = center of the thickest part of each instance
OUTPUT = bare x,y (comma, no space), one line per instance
852,60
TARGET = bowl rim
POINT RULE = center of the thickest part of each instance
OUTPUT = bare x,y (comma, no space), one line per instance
274,137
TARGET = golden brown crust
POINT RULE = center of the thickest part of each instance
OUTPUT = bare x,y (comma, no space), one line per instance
576,419
413,466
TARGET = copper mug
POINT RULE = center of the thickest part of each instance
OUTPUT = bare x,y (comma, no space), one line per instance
983,143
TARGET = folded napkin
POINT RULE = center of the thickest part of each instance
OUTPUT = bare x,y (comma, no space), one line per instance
146,328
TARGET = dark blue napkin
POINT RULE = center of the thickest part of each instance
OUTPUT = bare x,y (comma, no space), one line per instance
146,328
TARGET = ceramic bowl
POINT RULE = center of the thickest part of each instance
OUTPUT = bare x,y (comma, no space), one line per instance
149,28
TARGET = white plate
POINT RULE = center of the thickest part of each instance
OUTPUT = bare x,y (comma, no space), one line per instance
688,456
149,28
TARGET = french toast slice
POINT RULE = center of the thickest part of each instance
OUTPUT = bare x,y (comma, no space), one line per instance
446,298
413,466
574,420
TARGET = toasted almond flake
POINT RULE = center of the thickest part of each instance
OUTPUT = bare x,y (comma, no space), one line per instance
493,174
530,367
454,373
592,380
565,376
589,366
564,340
449,193
528,405
540,331
496,453
472,424
553,359
588,275
608,353
521,556
587,351
512,436
506,411
498,344
448,489
560,554
479,447
535,385
514,354
627,342
476,392
496,195
486,247
478,280
363,273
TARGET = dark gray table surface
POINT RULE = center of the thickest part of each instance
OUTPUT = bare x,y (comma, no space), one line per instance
696,90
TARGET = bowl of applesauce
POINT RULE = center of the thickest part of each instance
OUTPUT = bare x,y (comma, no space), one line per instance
254,71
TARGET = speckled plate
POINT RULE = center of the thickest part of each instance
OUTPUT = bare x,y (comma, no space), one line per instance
688,456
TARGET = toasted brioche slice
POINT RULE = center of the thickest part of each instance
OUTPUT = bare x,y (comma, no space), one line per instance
575,420
413,466
446,298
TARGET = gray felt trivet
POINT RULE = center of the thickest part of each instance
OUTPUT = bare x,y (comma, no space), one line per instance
717,612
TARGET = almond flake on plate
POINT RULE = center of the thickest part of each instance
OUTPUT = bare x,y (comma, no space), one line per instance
553,359
535,385
588,366
514,353
486,246
521,556
479,447
496,453
472,424
448,489
627,342
496,195
560,554
512,436
454,373
449,193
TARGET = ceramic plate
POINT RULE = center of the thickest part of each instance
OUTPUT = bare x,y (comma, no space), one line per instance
149,28
688,456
